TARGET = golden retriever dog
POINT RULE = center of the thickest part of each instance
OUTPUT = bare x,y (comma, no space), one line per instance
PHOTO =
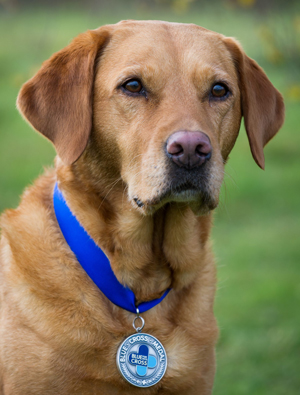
143,116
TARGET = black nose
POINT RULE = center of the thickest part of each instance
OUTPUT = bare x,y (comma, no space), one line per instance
189,149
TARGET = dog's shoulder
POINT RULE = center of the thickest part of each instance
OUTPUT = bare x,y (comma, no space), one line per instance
33,218
30,236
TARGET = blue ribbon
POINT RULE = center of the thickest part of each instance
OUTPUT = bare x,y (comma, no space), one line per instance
94,261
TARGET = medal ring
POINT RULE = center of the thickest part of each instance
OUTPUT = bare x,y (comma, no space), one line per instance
138,328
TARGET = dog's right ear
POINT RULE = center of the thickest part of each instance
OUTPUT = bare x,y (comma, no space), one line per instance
57,101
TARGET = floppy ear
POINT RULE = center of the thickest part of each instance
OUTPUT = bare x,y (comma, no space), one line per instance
262,104
57,101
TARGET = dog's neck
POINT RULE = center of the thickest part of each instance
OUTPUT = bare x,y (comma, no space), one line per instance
147,253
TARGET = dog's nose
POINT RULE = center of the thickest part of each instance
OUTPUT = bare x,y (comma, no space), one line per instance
189,149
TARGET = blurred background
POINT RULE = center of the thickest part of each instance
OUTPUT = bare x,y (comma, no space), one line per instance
256,233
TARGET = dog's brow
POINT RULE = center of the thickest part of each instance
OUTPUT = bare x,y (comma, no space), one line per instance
212,74
138,71
129,72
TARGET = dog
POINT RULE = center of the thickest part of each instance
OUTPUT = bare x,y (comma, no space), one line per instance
143,116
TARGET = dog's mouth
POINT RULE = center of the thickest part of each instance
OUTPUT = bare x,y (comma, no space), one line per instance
184,192
196,195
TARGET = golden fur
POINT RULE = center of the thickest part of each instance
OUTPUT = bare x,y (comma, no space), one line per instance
59,334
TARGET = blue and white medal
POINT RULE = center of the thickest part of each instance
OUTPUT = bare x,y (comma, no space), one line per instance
141,358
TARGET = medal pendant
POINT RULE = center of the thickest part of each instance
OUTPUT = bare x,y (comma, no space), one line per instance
142,359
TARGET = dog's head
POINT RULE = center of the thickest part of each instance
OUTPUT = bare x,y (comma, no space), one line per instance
156,104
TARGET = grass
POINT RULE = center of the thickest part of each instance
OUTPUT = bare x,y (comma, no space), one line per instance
257,245
256,233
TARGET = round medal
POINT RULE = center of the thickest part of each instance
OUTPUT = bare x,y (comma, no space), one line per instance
142,360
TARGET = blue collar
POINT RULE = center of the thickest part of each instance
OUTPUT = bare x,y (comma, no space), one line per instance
93,260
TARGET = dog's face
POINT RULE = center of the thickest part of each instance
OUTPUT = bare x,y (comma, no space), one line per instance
160,105
174,112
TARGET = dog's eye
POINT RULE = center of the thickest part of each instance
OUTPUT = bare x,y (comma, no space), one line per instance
219,90
133,86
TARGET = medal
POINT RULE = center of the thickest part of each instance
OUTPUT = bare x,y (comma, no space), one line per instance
141,358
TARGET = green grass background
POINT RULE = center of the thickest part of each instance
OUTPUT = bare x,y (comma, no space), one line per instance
256,233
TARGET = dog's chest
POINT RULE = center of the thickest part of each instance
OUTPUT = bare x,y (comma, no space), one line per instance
183,355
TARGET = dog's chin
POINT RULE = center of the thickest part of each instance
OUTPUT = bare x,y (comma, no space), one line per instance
200,202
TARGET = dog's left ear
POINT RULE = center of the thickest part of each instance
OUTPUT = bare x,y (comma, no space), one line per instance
262,104
57,101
